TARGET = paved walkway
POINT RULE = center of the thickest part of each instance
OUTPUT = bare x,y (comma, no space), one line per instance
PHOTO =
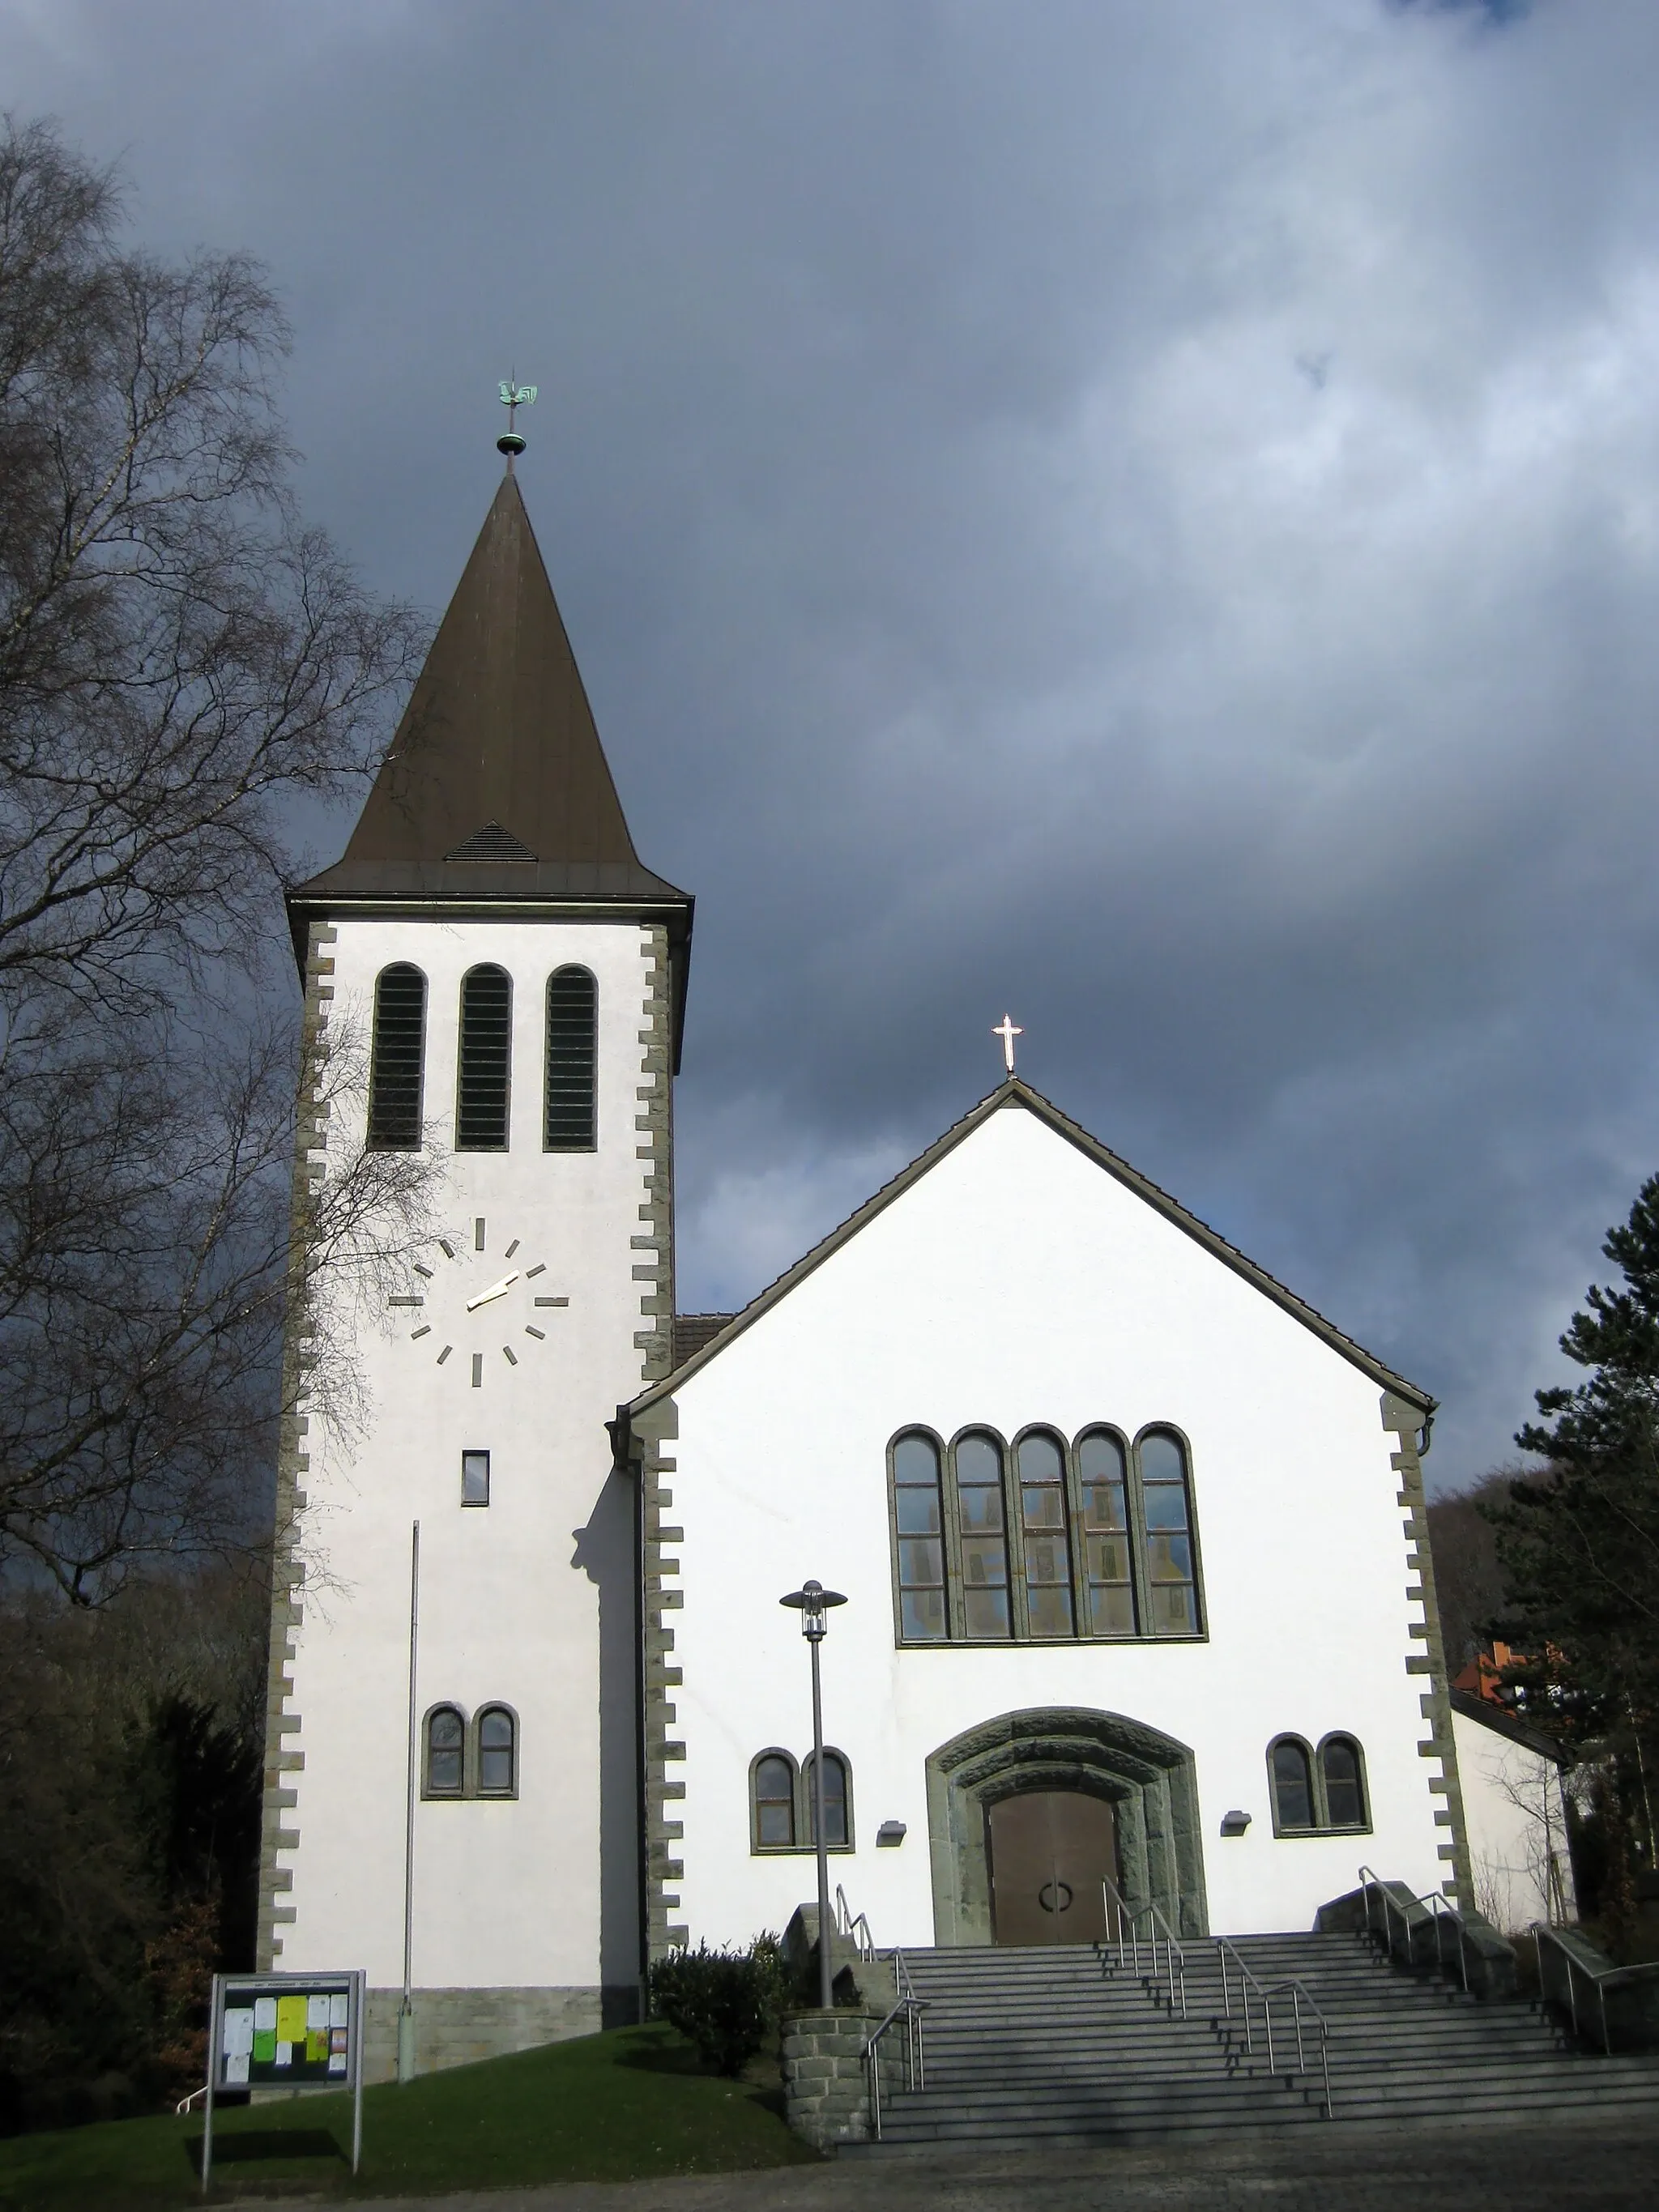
1526,2169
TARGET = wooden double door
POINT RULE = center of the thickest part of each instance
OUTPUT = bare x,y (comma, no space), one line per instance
1050,1851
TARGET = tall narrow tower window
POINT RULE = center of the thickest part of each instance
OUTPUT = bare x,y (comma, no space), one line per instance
486,1060
572,1035
395,1059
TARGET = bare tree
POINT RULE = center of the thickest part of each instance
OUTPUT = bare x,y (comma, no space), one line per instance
179,655
180,659
147,1252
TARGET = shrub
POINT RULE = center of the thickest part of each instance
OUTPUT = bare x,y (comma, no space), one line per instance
727,2003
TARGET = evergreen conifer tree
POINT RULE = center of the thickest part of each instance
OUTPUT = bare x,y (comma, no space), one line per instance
1579,1542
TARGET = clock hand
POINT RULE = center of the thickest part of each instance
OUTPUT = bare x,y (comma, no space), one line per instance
495,1291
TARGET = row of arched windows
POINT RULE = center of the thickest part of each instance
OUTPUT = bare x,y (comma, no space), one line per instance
483,1074
1316,1792
783,1802
477,1758
1042,1540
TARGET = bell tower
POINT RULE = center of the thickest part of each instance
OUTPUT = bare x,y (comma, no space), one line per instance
513,980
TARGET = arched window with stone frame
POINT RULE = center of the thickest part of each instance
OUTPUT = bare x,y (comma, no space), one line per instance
443,1752
837,1800
773,1790
1340,1770
496,1754
1290,1787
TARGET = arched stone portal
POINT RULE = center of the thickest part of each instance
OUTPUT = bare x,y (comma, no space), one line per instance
1149,1777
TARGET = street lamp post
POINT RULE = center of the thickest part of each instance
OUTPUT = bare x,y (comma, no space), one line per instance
812,1601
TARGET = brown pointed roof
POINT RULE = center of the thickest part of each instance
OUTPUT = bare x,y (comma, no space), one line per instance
496,786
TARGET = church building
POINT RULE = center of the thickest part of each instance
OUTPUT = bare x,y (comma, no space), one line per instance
1138,1607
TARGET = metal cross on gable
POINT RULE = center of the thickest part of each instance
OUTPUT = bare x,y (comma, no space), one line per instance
1006,1030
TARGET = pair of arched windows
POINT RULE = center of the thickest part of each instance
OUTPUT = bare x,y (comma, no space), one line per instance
475,1758
783,1803
483,1076
1042,1541
1317,1792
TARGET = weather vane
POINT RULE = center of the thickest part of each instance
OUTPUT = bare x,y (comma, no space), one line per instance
1006,1030
514,395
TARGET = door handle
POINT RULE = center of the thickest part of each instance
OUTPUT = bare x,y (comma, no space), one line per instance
1062,1889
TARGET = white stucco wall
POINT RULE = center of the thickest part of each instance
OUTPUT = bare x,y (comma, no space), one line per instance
1017,1282
1516,1826
515,1599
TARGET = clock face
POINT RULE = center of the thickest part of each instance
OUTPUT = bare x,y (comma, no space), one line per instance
474,1312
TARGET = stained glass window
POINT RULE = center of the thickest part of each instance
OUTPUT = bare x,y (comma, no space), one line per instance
984,1536
919,1526
1172,1582
1043,1518
1108,1555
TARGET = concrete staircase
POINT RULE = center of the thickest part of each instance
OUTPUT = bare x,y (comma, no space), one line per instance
1068,2044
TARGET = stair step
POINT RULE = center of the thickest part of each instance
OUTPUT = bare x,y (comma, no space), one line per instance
1072,2044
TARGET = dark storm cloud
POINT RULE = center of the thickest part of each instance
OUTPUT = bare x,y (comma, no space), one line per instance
1145,517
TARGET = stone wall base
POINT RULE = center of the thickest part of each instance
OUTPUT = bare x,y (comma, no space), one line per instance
825,2084
455,2027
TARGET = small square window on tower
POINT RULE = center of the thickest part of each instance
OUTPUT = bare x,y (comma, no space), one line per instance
474,1478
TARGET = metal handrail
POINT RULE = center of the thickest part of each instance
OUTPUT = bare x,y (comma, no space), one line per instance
909,2007
1299,1995
1371,1882
1130,1916
848,1926
1597,1977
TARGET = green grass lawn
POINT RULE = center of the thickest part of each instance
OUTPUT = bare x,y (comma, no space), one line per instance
611,2107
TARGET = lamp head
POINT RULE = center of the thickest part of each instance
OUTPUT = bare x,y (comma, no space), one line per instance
812,1601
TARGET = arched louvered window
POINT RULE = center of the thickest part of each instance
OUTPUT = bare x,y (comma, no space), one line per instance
445,1752
498,1753
570,1124
396,1058
772,1807
838,1802
485,1073
1171,1571
1342,1776
1107,1550
1045,1534
984,1535
1289,1772
918,1526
